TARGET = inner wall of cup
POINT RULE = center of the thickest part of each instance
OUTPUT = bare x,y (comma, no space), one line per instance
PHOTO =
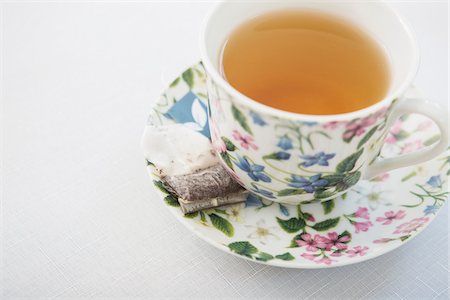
376,18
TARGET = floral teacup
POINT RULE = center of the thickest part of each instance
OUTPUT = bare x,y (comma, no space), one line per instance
295,158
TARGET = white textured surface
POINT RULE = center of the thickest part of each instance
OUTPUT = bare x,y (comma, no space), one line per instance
80,217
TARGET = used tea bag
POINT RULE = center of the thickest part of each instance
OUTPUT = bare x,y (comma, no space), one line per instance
189,168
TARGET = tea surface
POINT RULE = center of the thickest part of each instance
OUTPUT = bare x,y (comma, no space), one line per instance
306,62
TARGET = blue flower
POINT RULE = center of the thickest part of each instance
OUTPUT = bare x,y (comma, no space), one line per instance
284,210
435,181
255,172
262,192
257,119
253,200
282,155
285,143
308,185
320,159
431,209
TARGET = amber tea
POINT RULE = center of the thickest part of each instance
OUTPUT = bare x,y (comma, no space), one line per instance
306,62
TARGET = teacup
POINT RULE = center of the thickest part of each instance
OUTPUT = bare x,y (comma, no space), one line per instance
295,158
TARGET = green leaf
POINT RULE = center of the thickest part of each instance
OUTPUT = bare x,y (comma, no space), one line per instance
202,95
271,156
191,215
175,82
345,233
333,179
292,225
285,256
306,215
348,163
401,135
341,186
188,77
325,225
229,144
263,256
222,224
226,158
202,217
199,73
240,117
327,206
432,140
149,163
160,186
352,178
405,237
323,194
171,201
221,211
243,248
293,241
374,159
367,136
290,192
344,196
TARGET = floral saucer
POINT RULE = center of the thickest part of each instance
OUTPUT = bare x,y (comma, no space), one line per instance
374,218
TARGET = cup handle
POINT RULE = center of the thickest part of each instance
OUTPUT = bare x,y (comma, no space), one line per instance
419,106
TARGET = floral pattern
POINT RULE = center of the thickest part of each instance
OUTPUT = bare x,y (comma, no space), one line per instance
373,218
293,151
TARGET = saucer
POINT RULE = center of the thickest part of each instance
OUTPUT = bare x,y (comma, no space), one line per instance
375,217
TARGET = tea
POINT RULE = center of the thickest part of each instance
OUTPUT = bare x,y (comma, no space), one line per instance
306,62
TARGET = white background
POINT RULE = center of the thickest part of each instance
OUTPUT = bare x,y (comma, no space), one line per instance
80,217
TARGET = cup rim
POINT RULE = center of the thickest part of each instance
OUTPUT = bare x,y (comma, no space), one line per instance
268,110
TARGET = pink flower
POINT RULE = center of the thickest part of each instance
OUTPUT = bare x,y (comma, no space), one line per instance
311,218
411,146
308,256
325,260
395,129
338,242
336,254
245,140
312,244
332,125
362,226
424,125
217,142
381,178
382,241
358,127
390,216
412,225
358,250
362,212
381,112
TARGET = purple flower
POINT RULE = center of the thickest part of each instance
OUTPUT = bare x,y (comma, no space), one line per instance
285,143
253,200
257,119
435,181
320,159
308,185
263,192
254,171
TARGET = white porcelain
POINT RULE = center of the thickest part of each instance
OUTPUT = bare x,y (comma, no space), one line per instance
374,218
313,167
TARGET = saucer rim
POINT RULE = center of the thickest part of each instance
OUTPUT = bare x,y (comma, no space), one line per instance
280,263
